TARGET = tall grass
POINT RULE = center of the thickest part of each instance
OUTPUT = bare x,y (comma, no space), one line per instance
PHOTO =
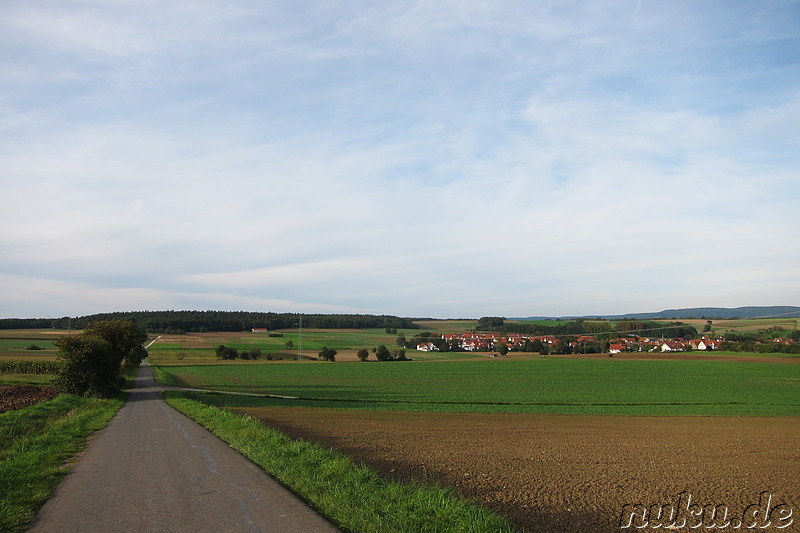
35,444
353,497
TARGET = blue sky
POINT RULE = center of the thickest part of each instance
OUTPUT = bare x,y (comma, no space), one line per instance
418,158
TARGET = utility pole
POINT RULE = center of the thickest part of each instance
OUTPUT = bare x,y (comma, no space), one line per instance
300,338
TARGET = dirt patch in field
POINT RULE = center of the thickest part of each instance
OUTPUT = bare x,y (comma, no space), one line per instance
18,396
557,473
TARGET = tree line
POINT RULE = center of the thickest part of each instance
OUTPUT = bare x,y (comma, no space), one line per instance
200,321
602,330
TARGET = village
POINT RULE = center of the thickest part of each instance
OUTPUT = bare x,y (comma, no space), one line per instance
486,342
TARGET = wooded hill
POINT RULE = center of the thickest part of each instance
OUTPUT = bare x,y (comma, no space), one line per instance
184,321
719,313
600,329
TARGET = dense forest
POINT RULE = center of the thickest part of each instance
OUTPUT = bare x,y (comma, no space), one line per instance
184,321
598,328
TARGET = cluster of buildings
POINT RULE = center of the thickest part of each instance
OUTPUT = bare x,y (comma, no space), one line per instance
484,342
642,344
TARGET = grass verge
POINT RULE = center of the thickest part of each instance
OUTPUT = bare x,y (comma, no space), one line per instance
165,378
351,496
35,445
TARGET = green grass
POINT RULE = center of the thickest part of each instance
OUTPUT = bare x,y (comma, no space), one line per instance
351,496
26,379
312,341
35,445
23,344
543,385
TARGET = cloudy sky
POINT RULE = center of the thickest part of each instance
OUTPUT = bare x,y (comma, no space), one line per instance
448,158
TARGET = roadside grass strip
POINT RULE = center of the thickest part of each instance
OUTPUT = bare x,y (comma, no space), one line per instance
36,444
353,497
165,378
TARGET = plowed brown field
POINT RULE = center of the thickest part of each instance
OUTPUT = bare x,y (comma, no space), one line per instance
19,396
557,473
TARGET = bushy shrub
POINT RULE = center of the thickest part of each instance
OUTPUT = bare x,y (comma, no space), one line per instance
90,362
88,366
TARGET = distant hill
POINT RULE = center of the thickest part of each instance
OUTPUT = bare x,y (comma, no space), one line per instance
774,311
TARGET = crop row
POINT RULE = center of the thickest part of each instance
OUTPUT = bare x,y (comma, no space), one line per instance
29,367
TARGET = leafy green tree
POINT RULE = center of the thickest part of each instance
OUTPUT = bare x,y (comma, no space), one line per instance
383,353
563,346
502,348
401,340
126,339
88,367
91,360
489,323
327,354
363,354
226,353
289,344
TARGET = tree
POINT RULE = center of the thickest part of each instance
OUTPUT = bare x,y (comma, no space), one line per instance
125,337
289,344
401,340
490,323
226,353
88,366
399,355
502,348
363,353
383,353
91,361
327,354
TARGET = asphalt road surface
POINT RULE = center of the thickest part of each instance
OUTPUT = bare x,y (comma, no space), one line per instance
153,469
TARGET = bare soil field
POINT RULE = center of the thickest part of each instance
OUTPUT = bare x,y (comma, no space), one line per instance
18,396
558,473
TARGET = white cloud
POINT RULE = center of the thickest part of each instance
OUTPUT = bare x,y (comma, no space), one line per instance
422,158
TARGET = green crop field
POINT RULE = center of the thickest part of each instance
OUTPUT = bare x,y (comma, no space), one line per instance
14,344
22,344
199,347
544,385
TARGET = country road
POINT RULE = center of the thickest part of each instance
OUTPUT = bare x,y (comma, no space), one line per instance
152,469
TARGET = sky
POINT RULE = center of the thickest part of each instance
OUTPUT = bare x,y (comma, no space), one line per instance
446,159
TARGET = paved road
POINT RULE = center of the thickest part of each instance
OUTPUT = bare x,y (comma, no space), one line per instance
153,469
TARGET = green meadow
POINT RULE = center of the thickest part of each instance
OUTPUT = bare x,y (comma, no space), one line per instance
543,385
